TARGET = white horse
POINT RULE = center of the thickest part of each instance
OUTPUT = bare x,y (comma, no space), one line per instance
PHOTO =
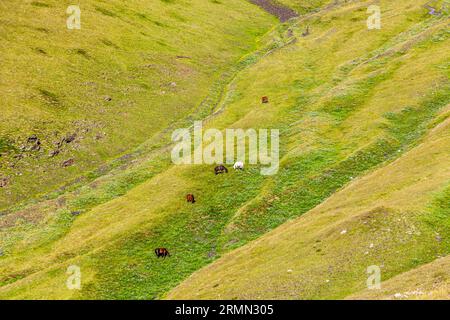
238,165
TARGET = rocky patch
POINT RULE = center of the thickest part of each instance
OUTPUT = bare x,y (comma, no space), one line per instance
68,163
4,182
281,12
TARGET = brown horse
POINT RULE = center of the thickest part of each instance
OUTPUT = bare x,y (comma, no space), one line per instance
220,169
190,198
162,252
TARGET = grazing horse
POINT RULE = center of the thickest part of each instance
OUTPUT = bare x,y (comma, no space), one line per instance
265,99
190,198
162,252
220,169
239,165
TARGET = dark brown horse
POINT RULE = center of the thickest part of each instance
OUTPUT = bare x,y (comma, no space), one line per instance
190,198
220,169
162,252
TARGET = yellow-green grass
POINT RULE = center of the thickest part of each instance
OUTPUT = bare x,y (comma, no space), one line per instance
360,130
386,109
55,81
389,218
428,282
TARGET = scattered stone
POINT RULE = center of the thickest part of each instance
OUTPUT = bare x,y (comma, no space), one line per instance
99,136
371,245
68,163
33,139
173,84
107,98
416,292
289,271
75,213
344,231
35,144
70,138
53,153
36,147
438,238
4,182
398,296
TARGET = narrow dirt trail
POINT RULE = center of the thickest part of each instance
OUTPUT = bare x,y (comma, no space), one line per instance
281,12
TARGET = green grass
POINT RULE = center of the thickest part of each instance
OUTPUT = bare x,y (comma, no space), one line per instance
55,81
393,224
362,121
428,278
5,145
190,233
308,180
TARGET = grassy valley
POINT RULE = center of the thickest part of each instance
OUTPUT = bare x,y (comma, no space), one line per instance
364,159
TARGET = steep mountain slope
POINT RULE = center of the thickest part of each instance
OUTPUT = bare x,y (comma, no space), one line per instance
134,69
431,281
387,210
349,102
396,218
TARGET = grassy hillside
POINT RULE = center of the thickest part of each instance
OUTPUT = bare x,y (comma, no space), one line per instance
366,114
134,69
431,281
396,218
363,116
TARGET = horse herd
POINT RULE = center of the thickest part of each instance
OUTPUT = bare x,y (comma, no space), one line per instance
163,252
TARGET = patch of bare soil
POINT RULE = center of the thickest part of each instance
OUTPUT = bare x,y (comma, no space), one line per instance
281,12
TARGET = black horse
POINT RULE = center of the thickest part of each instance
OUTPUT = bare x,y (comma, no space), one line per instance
220,169
162,252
